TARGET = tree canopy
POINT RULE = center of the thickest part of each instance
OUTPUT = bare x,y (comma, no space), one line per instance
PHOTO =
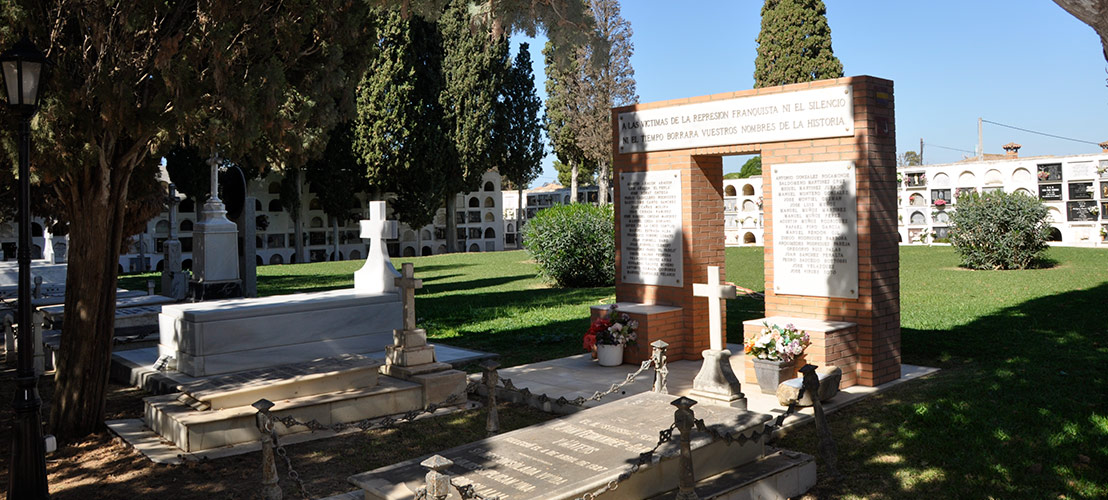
794,44
519,123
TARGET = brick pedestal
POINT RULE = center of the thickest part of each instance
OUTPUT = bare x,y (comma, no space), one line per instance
655,323
834,343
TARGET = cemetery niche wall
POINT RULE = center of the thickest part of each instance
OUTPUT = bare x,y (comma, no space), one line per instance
829,192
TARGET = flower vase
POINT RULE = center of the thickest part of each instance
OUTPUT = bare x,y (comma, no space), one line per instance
771,373
609,355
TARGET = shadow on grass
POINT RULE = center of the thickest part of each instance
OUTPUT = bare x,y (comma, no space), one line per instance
1020,410
442,288
302,283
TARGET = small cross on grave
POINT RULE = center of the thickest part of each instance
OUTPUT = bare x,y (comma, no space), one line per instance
376,276
716,382
714,292
408,284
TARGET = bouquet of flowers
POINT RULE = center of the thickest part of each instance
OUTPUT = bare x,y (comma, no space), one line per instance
778,344
940,202
617,329
1044,175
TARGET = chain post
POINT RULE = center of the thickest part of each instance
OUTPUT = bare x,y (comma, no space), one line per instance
271,489
437,479
658,356
827,450
491,378
684,419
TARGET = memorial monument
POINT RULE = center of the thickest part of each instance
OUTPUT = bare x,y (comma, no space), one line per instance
831,260
215,256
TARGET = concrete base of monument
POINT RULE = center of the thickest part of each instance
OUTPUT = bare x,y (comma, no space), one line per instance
779,475
716,382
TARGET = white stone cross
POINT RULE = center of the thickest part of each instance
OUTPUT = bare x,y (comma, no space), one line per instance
408,285
213,163
715,292
378,273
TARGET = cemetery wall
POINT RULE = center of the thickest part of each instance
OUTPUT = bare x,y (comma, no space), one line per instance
1074,189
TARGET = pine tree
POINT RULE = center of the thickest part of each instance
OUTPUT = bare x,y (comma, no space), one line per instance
519,126
473,69
398,135
795,44
562,115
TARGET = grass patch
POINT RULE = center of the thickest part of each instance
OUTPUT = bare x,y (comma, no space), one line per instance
1020,409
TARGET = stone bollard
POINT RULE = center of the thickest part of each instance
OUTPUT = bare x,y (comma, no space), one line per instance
271,490
437,479
149,287
685,420
661,371
490,378
36,291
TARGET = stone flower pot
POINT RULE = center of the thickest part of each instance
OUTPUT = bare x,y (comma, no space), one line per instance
611,355
771,373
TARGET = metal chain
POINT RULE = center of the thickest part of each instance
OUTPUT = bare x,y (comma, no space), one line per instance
281,452
645,457
468,492
387,421
421,493
506,384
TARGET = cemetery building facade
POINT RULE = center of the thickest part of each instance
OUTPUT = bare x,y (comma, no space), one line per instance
1074,189
742,211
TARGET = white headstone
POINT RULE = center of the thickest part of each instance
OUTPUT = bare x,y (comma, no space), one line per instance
378,275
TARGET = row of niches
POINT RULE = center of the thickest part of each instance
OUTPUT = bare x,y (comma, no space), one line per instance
918,218
748,222
1044,172
733,205
730,191
439,233
161,228
472,216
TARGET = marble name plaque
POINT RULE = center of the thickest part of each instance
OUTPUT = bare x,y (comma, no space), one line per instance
650,228
1050,191
1080,170
787,116
1082,211
1081,190
1049,172
815,220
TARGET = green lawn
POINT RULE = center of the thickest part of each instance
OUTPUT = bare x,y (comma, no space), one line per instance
1019,410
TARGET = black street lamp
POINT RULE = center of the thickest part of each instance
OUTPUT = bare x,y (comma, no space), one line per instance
22,69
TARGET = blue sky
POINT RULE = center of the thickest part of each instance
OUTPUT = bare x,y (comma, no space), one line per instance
1025,63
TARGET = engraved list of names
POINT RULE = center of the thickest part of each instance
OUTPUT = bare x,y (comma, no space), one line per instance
650,228
815,236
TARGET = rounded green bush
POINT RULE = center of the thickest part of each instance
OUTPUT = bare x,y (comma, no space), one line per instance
573,245
999,230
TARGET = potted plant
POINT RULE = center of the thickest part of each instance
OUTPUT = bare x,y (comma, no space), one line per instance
610,335
774,352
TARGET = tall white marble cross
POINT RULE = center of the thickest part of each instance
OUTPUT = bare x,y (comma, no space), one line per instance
378,272
408,285
715,292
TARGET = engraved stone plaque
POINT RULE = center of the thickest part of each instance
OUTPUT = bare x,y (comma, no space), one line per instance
650,228
815,229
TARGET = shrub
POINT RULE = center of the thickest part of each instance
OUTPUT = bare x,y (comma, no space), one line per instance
999,230
574,245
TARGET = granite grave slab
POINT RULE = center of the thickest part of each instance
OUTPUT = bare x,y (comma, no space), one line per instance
573,455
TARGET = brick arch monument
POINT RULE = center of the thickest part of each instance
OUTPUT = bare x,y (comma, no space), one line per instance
831,257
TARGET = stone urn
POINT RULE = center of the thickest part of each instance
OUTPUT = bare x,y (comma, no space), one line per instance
771,373
611,355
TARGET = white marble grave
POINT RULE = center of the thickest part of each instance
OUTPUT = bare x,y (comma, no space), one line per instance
225,336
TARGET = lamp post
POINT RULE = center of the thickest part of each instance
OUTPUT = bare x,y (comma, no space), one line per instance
22,67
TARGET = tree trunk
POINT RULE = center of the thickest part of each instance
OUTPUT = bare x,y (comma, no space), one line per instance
602,183
95,202
297,222
573,182
335,238
519,218
451,223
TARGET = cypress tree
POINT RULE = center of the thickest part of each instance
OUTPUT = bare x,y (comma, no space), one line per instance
795,44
